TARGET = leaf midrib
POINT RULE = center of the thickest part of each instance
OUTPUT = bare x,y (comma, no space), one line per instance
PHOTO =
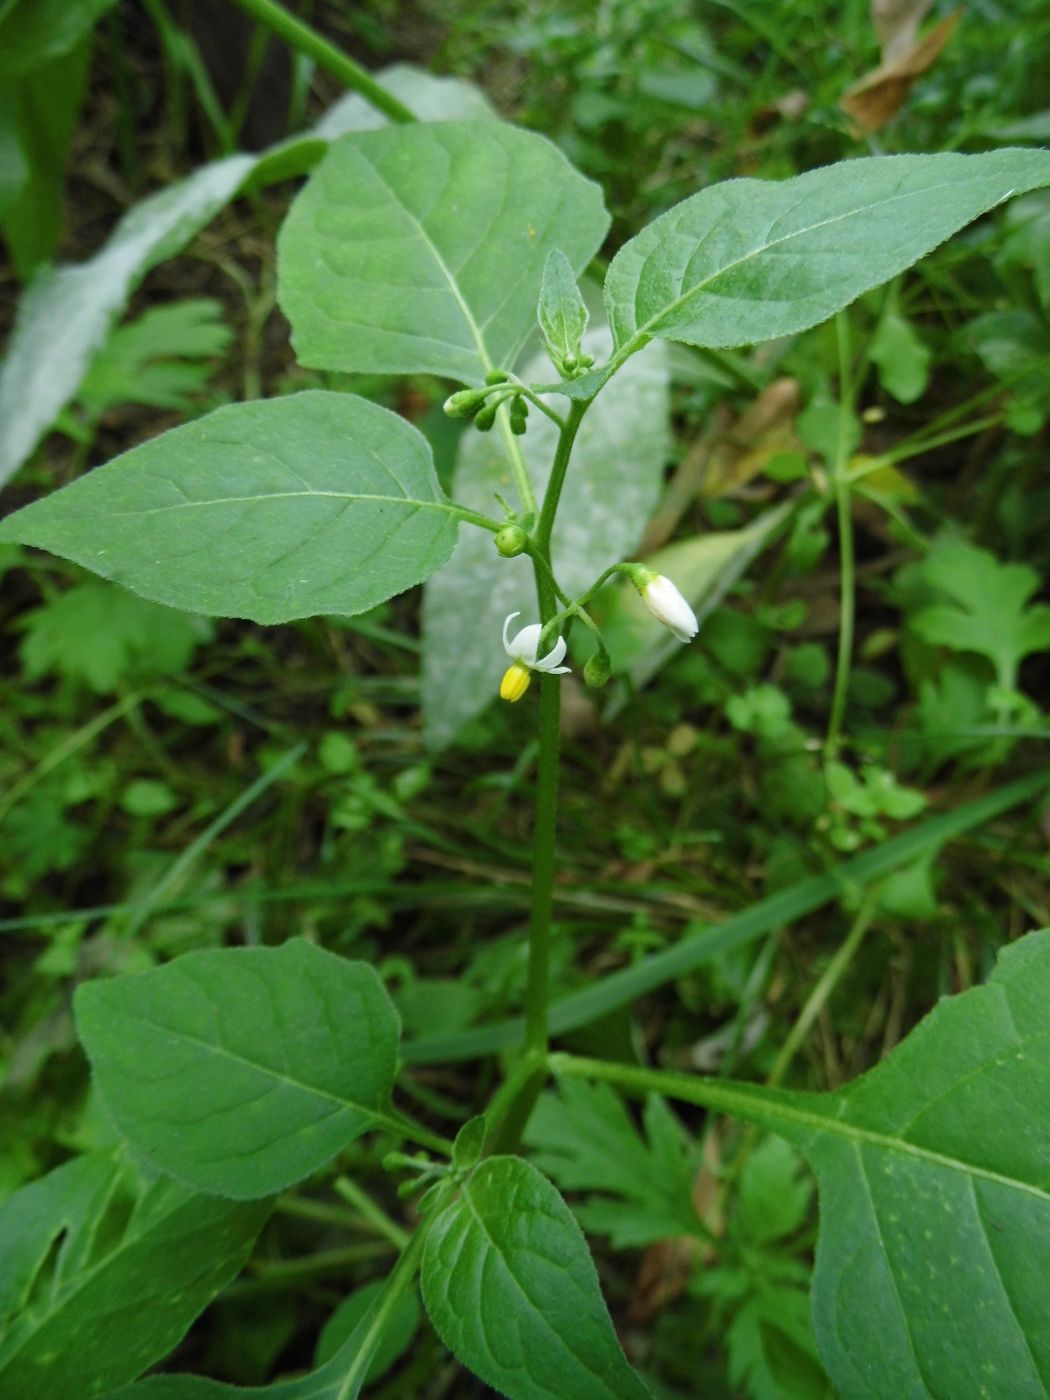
642,332
413,501
755,1106
446,271
214,1048
502,1256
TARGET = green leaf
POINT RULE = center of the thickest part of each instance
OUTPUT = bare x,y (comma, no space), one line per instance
421,248
989,612
284,508
101,1275
583,1138
902,357
340,1378
749,260
935,1194
102,636
613,483
354,1310
431,98
43,108
242,1070
511,1289
158,359
562,313
33,32
64,317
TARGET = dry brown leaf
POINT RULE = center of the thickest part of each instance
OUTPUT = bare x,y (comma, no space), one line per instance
897,24
877,98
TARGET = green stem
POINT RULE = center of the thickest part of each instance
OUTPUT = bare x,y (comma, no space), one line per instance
847,575
522,480
307,40
399,1280
818,997
362,1202
552,496
537,992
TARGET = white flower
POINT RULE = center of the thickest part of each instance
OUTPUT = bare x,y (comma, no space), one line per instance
668,606
522,651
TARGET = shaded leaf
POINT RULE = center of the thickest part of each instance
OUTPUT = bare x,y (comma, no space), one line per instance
935,1194
242,1070
135,1264
583,1138
102,635
421,248
283,508
509,1285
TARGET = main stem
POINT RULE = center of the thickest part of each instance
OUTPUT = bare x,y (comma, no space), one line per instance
537,993
844,514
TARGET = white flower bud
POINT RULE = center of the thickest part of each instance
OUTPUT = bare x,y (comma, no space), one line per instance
668,606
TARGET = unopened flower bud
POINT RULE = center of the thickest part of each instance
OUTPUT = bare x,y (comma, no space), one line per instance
519,411
596,670
485,417
665,602
511,541
497,376
464,403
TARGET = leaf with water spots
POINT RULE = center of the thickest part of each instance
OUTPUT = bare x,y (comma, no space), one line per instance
934,1177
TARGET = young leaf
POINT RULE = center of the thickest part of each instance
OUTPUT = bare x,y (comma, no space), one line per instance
242,1070
122,1289
610,490
421,248
749,260
33,32
583,1137
284,508
935,1194
562,312
511,1289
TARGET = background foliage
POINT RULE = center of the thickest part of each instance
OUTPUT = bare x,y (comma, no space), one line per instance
182,785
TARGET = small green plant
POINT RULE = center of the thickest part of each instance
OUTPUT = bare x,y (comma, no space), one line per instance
231,1075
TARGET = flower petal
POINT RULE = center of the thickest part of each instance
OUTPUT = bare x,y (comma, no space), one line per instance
506,623
550,661
523,647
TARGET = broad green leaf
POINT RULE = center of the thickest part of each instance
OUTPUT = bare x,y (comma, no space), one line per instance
511,1290
749,260
421,248
703,568
33,32
934,1178
703,942
613,484
101,1275
64,317
242,1070
584,1139
284,508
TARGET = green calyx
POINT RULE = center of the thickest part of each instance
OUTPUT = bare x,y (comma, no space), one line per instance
511,541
